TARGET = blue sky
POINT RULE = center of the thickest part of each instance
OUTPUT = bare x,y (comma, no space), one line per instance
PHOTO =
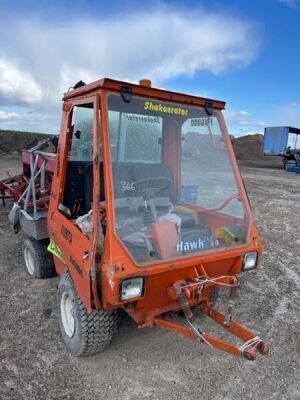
243,52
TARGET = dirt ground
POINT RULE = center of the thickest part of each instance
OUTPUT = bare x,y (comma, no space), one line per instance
152,363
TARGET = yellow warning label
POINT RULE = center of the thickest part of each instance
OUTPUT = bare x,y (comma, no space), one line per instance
54,249
149,105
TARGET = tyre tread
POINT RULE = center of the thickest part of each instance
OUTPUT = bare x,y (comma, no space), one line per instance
45,267
97,327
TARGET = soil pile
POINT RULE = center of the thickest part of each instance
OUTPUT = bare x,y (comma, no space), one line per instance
201,147
248,147
249,151
15,141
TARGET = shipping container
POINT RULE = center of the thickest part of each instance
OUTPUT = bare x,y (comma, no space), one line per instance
280,140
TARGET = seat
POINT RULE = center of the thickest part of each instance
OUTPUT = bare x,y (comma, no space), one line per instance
74,193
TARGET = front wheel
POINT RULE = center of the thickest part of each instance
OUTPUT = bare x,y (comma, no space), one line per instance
84,332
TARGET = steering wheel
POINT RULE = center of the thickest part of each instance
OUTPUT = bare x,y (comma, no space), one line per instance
150,187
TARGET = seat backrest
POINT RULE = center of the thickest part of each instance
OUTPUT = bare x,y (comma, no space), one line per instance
124,174
145,171
88,183
74,192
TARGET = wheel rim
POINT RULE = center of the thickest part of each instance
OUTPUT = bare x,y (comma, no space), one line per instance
67,314
29,260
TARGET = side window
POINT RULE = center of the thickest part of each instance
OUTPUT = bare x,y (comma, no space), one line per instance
203,149
82,125
78,188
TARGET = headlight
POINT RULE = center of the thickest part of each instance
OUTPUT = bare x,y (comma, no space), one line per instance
131,288
250,260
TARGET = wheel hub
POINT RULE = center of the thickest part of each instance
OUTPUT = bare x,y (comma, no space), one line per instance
67,314
29,260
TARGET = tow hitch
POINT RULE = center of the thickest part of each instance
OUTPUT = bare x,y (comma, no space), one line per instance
251,342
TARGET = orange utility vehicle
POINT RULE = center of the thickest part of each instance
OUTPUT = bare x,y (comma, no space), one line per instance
143,209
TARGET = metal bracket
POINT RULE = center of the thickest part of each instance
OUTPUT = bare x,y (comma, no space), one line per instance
184,304
209,108
228,314
126,93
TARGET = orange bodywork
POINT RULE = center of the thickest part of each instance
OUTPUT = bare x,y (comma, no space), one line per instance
81,253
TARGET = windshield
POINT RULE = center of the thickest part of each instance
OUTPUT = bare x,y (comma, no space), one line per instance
175,193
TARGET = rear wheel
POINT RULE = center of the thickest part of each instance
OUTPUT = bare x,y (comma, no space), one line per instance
38,261
84,332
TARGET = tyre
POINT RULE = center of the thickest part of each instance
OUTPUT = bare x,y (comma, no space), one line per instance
38,261
84,332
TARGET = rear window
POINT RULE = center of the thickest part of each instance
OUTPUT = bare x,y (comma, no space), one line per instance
135,137
82,125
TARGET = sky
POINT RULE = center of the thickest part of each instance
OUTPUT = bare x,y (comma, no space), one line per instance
243,52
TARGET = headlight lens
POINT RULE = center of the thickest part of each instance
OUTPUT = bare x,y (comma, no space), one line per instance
131,288
250,260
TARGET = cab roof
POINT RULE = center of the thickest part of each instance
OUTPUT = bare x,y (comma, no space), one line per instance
136,89
291,129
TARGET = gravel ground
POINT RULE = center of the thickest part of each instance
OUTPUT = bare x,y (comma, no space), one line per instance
152,363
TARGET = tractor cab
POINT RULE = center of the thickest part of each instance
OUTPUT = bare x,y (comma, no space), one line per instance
175,188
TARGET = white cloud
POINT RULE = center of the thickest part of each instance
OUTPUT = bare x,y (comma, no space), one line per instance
16,85
8,116
244,113
160,45
243,119
289,114
243,123
31,121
